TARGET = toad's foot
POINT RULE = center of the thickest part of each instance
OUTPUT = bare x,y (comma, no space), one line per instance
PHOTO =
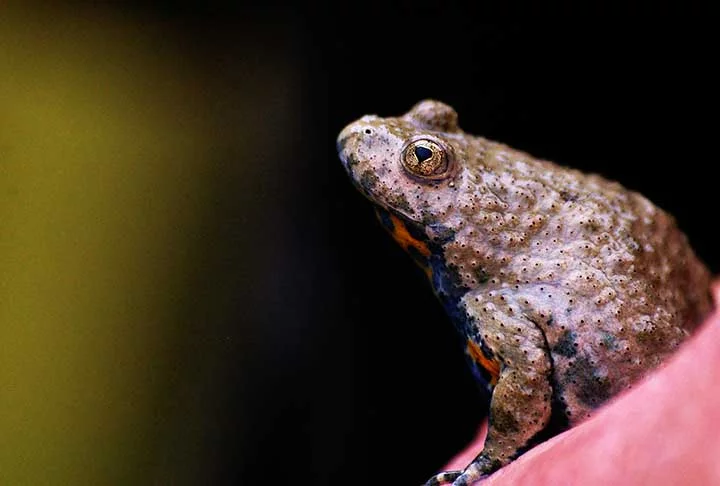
467,477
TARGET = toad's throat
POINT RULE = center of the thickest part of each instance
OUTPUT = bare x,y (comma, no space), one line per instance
429,256
447,286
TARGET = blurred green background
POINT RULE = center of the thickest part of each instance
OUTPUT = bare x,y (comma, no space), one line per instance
121,149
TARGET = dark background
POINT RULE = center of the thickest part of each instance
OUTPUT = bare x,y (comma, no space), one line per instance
308,349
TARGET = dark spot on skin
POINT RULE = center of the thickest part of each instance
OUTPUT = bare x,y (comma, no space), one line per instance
503,420
351,160
630,242
441,233
590,388
368,180
565,346
568,196
550,321
651,341
481,275
609,341
400,202
454,274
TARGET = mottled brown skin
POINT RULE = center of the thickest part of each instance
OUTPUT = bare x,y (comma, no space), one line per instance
567,287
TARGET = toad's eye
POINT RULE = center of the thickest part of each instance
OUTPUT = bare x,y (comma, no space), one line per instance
426,158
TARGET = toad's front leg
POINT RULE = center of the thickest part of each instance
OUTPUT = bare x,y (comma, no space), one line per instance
520,406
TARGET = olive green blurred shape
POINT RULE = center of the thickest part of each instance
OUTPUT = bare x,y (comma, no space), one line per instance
101,180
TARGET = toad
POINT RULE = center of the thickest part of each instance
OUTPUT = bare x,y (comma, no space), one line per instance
565,288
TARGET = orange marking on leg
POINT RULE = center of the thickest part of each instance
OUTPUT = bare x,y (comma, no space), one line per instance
492,366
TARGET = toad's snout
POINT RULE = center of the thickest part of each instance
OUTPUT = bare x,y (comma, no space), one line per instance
352,137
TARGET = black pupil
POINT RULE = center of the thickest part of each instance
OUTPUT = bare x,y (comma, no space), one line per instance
423,153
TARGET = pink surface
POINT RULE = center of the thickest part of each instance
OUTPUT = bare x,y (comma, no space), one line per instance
666,431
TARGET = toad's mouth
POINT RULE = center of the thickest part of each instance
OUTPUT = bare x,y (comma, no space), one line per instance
378,192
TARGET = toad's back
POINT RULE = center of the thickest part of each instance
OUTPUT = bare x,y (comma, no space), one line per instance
603,272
